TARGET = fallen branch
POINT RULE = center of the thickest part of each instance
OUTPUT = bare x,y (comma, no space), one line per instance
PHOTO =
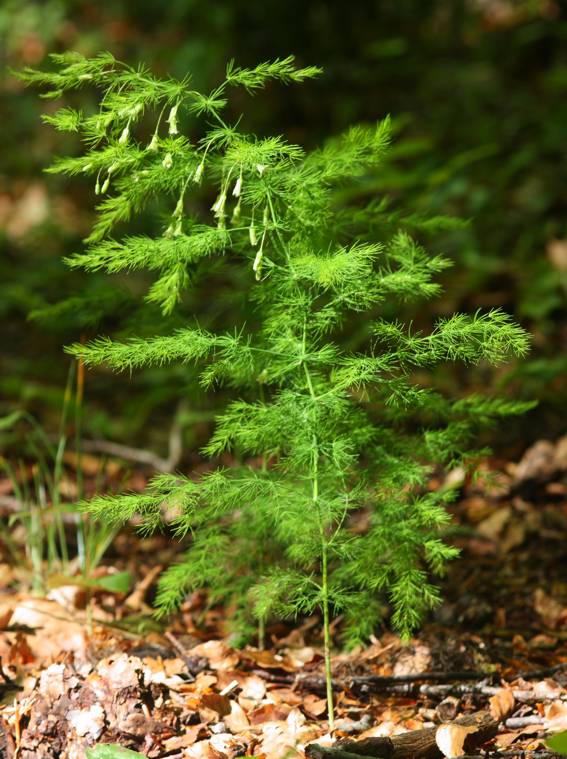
413,744
462,689
410,685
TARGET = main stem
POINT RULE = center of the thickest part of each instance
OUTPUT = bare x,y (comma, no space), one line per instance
324,573
327,641
315,491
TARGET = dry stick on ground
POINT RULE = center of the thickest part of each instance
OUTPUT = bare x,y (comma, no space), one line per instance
410,684
462,689
415,743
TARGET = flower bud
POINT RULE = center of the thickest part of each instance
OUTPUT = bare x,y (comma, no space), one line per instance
218,205
237,187
124,136
257,265
178,208
172,120
252,235
199,173
167,162
105,186
153,146
236,212
260,168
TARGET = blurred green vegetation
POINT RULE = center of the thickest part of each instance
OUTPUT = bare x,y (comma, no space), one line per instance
477,89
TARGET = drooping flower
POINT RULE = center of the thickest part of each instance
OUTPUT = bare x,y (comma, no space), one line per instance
124,136
178,209
199,172
236,212
218,205
237,187
257,265
252,234
172,120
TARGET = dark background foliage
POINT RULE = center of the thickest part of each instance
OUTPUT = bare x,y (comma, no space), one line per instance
477,89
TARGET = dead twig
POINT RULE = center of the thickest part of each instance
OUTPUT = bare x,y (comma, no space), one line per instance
194,664
415,744
411,685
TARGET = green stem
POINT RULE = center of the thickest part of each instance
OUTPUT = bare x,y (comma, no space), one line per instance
324,565
315,496
261,633
327,639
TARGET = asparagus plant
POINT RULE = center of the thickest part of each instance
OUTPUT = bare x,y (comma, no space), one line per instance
319,435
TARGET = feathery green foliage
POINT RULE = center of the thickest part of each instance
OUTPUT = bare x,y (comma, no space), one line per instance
338,434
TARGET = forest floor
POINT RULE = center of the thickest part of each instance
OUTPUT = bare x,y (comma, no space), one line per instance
87,665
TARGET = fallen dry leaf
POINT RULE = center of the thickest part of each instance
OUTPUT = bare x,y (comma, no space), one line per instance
121,671
88,722
548,689
60,630
204,682
385,729
451,739
551,611
300,656
538,462
501,704
216,703
276,743
236,721
20,652
514,535
492,527
285,696
314,706
447,710
202,750
285,739
52,681
269,713
270,660
526,730
556,717
253,688
219,655
413,661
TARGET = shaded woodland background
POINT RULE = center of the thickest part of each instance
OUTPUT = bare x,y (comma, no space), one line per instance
477,90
